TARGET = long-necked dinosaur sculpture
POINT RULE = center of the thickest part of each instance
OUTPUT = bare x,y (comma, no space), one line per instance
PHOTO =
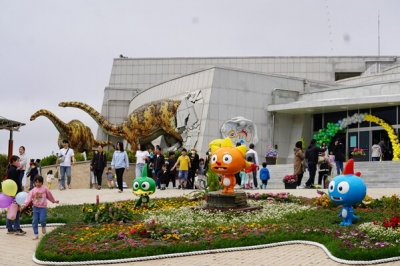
80,136
145,124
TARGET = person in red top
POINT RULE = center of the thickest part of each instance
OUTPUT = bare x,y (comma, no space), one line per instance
249,173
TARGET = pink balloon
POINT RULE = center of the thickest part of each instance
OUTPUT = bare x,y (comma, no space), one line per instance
5,200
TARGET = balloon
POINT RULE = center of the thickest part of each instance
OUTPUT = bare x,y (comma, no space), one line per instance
9,187
5,200
20,197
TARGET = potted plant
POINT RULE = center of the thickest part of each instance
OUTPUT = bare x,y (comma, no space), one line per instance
290,181
357,154
271,155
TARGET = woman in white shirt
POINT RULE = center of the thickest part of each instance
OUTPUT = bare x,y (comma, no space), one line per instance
141,156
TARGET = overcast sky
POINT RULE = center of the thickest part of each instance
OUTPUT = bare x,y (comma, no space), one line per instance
53,51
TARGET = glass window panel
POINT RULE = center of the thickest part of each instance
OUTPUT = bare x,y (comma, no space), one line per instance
365,123
317,122
389,114
334,117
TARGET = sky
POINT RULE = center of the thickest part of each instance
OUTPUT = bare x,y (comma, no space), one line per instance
54,51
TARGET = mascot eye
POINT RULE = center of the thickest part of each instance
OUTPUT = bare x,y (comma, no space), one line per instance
343,187
227,158
331,186
145,185
214,158
135,185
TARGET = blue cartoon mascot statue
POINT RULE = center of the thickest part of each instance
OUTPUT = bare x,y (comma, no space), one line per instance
347,190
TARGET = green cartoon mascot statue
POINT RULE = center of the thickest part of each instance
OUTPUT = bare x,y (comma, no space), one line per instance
142,187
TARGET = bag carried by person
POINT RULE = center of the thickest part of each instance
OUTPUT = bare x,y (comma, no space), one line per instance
12,211
56,174
61,159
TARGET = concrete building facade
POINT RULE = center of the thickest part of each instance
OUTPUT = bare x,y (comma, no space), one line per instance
285,97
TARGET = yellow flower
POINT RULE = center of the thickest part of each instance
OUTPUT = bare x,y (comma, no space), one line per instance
90,210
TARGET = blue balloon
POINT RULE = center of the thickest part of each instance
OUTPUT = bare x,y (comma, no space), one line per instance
21,197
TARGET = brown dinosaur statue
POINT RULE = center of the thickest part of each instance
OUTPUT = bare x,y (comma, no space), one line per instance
80,136
144,124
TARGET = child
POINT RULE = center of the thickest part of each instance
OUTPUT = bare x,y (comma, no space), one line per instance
93,178
264,176
110,178
37,161
32,173
242,175
163,176
169,163
323,172
39,196
201,174
49,178
184,165
249,173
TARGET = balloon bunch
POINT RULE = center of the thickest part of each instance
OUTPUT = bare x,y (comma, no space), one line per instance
390,130
326,134
10,194
356,118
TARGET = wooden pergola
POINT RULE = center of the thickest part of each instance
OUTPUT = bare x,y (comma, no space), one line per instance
11,126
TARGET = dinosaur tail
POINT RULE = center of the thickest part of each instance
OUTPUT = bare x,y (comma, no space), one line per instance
107,127
103,143
59,124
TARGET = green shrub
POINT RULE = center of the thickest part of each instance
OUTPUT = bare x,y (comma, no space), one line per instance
48,160
79,157
3,165
212,180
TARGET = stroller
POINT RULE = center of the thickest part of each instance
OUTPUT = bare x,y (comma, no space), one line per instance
323,173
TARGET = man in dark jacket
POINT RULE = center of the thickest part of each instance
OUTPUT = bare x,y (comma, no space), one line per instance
12,174
338,151
312,161
98,164
158,160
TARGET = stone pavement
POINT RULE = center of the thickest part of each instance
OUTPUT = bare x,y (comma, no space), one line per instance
18,250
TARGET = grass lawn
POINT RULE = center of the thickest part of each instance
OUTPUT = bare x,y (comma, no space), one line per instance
119,230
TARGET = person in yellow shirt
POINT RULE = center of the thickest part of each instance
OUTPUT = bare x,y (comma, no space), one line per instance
184,166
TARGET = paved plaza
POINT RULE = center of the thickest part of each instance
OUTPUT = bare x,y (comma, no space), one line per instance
18,250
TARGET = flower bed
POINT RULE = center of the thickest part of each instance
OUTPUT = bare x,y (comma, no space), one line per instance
173,226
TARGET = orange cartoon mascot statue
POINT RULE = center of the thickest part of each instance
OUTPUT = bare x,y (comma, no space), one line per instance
227,160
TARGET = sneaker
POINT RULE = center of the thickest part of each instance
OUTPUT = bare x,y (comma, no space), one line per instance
35,237
119,191
69,186
20,232
10,231
179,187
299,187
98,188
44,230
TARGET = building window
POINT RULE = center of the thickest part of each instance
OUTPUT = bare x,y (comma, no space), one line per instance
346,75
334,117
317,123
388,114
